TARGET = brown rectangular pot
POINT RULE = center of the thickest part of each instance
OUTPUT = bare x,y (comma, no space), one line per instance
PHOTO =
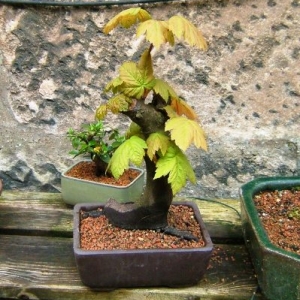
141,268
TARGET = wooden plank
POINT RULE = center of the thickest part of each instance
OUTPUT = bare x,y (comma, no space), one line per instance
46,212
44,268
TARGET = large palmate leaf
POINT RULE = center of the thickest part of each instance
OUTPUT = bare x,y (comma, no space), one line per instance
164,89
185,132
132,150
176,166
135,80
127,18
156,32
182,108
157,141
184,29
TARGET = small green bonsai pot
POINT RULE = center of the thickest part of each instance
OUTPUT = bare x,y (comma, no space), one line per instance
278,271
76,190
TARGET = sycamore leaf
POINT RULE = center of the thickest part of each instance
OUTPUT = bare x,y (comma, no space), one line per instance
101,112
182,108
114,85
164,89
145,63
157,142
170,111
127,18
136,82
134,129
118,103
156,32
132,150
184,132
176,166
184,29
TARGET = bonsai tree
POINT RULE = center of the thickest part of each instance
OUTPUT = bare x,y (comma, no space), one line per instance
98,142
163,125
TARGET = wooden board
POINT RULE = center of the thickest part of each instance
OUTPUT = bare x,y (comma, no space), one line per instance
37,262
45,267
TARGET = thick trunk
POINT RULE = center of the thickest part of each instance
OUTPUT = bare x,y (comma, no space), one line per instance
152,209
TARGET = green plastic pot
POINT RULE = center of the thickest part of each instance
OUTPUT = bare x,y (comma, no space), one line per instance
76,190
278,271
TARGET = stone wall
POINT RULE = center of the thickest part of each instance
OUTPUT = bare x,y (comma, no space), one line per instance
55,61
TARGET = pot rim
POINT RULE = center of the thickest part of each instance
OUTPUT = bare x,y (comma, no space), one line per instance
76,234
63,175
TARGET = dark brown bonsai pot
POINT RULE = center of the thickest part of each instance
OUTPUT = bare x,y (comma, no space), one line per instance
141,267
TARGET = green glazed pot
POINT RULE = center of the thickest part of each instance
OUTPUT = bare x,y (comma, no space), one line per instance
278,271
76,190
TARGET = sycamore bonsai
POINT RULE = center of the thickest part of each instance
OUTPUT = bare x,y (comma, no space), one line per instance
163,125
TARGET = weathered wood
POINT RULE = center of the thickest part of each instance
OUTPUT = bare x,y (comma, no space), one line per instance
32,212
36,256
44,267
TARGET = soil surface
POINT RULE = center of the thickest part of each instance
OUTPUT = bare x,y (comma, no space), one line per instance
87,170
279,212
98,234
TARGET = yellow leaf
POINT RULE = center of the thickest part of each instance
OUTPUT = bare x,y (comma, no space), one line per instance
118,103
127,18
184,29
164,89
145,63
182,108
170,111
185,132
156,32
136,82
101,112
157,142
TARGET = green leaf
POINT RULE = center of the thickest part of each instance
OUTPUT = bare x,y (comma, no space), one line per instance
134,129
184,29
164,89
127,18
176,166
114,85
132,150
157,142
136,81
185,132
156,32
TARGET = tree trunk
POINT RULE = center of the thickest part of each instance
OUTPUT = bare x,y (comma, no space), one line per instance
150,212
